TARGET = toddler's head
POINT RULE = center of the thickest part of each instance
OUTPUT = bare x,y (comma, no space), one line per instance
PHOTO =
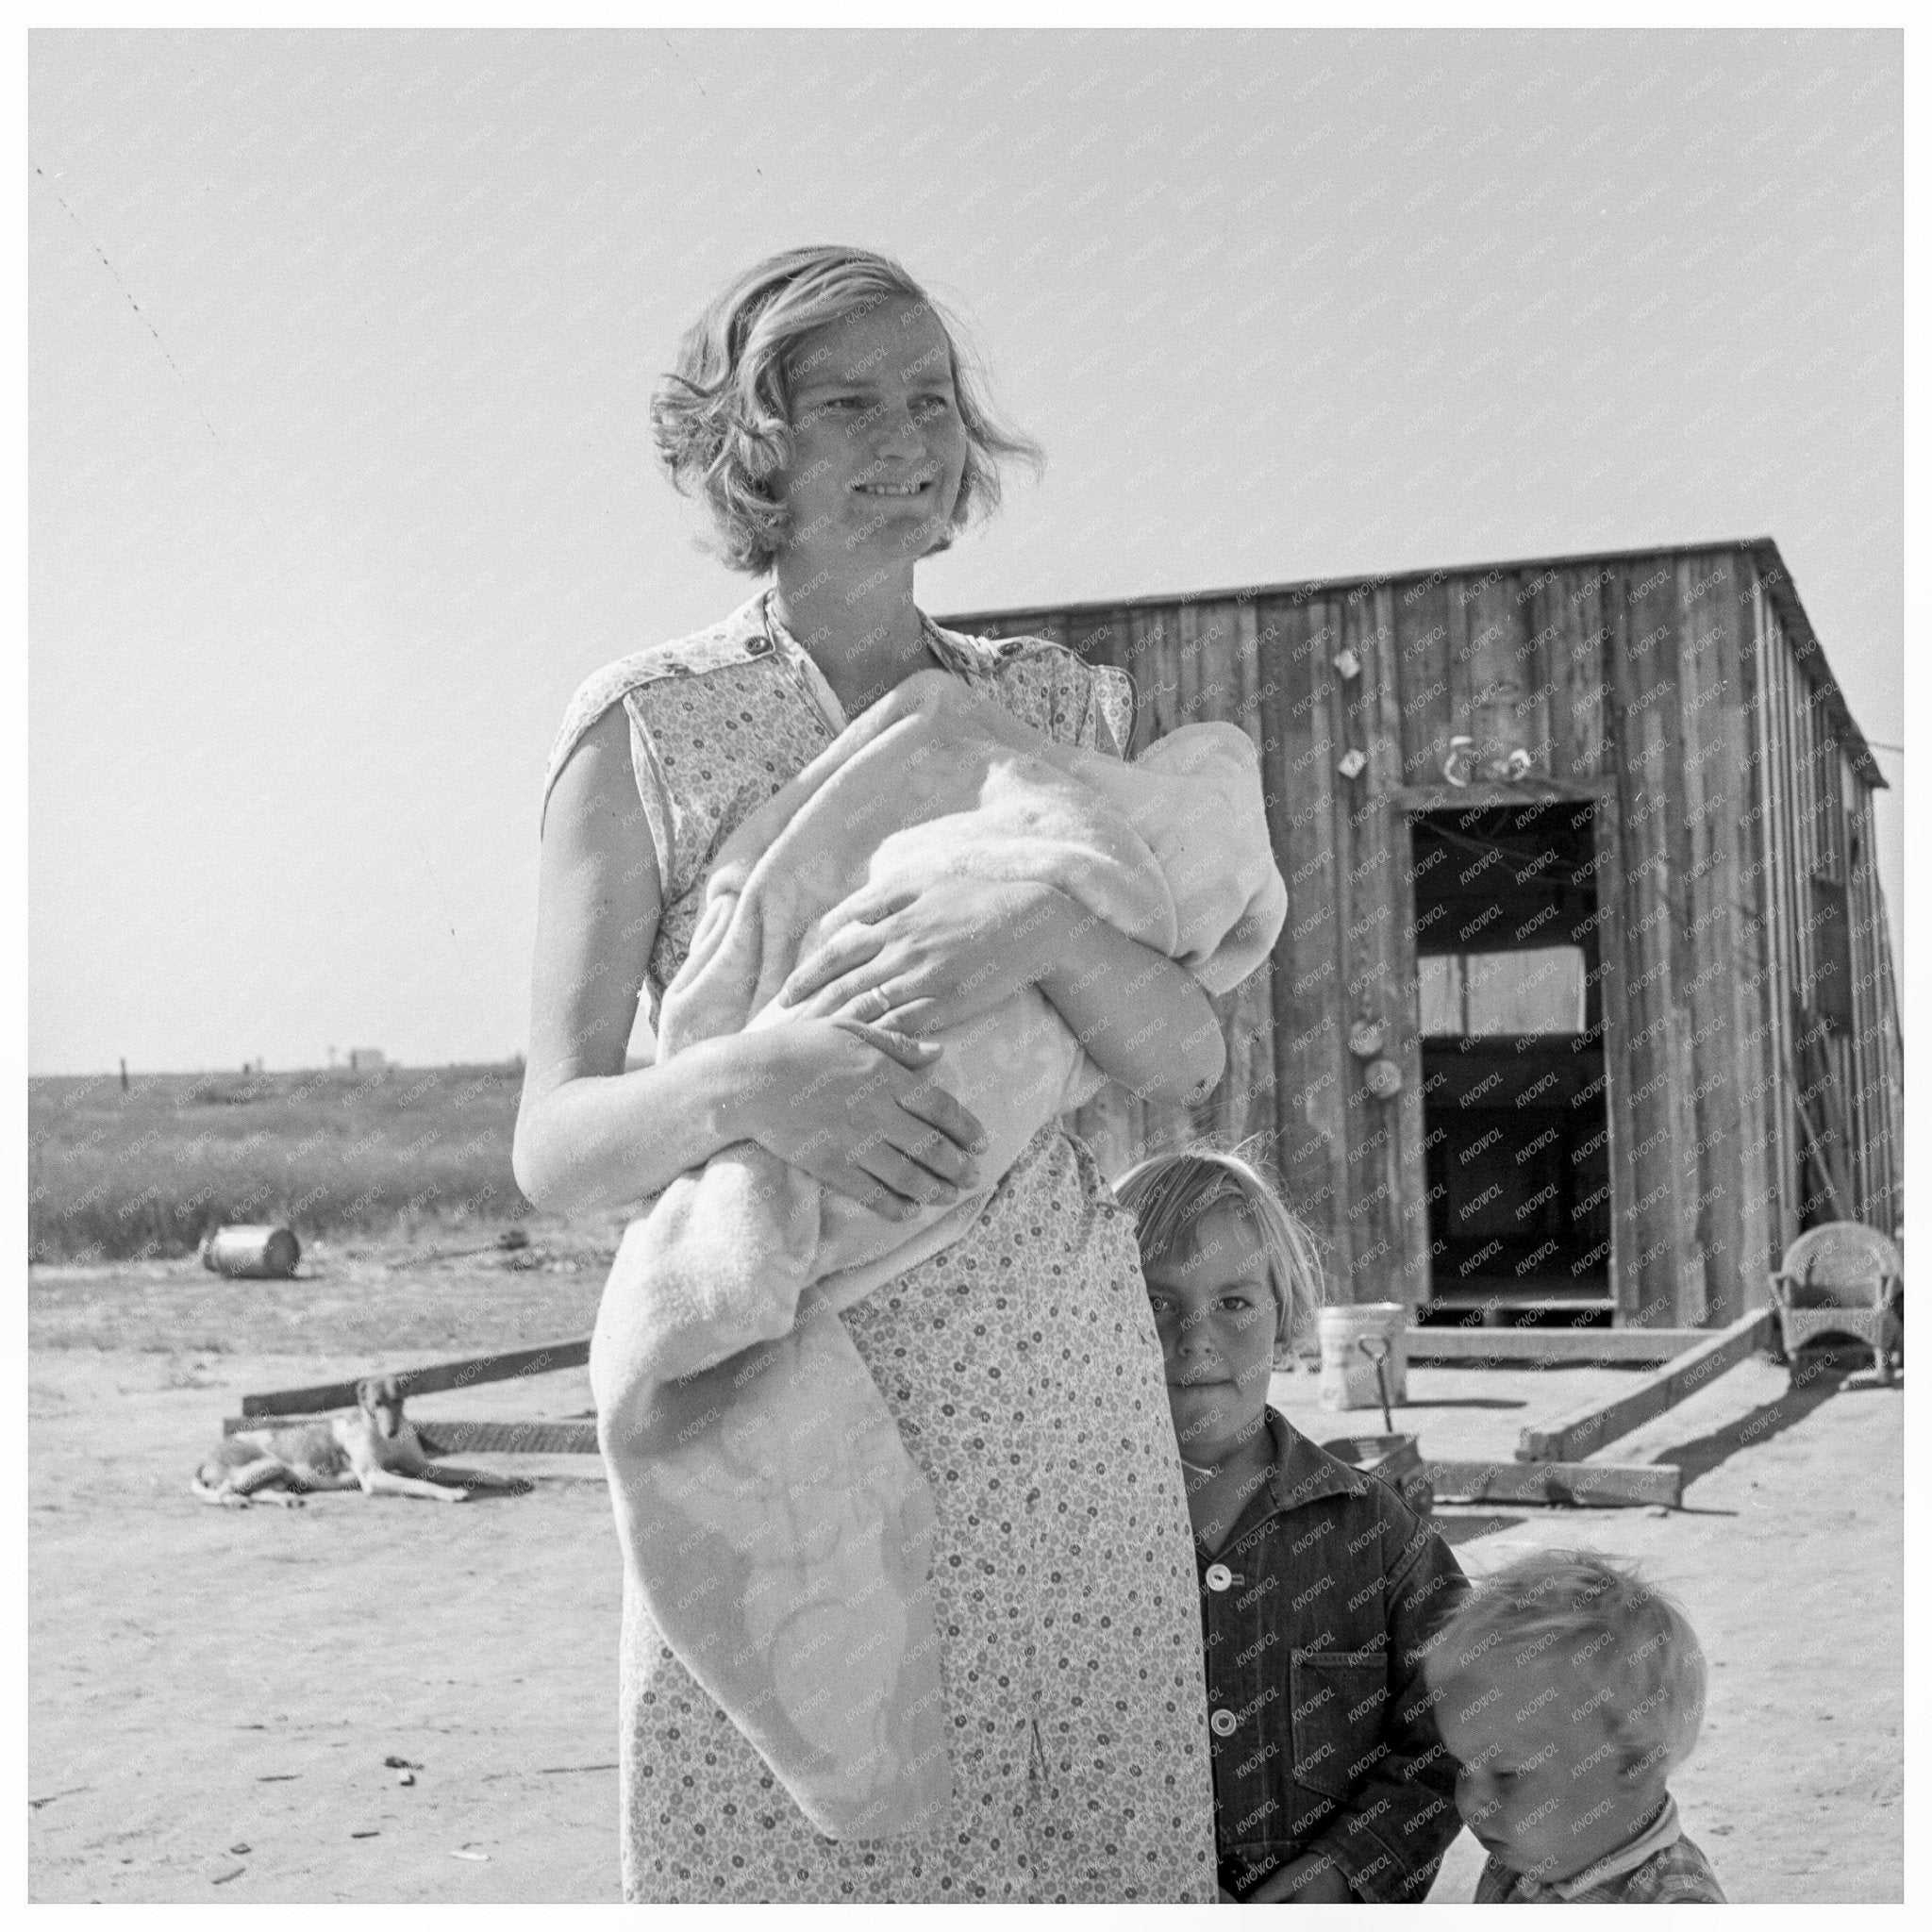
1231,1276
1568,1688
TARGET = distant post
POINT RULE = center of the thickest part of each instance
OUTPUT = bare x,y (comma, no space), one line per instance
123,1077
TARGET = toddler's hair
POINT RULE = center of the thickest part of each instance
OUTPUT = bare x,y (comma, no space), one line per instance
1636,1656
1169,1194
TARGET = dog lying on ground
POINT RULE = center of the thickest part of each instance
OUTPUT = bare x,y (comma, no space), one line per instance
372,1447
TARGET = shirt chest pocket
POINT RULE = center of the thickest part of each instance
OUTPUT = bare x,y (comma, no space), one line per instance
1337,1702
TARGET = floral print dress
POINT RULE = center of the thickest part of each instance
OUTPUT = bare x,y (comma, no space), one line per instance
1024,1372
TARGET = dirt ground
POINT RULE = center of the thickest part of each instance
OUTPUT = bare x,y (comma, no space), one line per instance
213,1693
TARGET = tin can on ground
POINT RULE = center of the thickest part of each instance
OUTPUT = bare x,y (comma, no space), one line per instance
257,1254
1397,1460
1348,1373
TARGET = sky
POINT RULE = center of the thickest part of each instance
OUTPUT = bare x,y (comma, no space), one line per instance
342,347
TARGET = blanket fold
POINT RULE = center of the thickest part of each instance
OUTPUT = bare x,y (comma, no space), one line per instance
779,1531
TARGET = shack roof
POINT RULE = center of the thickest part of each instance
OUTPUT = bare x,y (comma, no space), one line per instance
1771,572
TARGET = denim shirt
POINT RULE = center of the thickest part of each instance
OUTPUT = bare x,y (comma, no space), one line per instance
1313,1614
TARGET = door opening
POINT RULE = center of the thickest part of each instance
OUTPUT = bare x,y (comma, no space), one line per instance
1515,1125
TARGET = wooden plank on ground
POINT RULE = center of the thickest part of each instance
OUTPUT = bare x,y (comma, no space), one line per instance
1574,1436
1594,1485
1476,1345
450,1436
427,1380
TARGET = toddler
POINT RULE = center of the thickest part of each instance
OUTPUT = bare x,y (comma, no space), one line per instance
1318,1584
1569,1689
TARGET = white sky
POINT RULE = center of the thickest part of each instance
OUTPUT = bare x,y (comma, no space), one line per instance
343,345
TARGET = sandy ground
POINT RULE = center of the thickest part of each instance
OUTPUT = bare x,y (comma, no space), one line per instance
213,1693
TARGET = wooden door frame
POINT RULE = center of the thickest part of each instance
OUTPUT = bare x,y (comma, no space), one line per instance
1418,1261
1403,802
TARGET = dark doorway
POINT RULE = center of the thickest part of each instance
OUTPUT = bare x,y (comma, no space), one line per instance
1515,1125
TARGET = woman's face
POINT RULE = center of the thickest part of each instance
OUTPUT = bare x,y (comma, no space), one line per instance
1215,1314
877,446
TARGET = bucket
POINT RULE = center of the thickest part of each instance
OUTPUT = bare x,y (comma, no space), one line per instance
1348,1376
260,1254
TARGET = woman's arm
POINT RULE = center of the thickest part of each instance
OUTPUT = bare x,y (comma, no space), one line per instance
587,1137
591,1136
1143,1020
946,952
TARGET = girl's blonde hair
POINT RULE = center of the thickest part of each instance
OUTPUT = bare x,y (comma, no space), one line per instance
722,417
1170,1192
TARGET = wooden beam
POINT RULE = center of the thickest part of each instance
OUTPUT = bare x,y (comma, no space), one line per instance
1310,1059
427,1380
1613,1006
1481,795
1574,1436
453,1438
1477,1346
1498,1303
1817,1146
1592,1485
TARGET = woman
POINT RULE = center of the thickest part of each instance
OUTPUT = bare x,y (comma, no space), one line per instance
821,409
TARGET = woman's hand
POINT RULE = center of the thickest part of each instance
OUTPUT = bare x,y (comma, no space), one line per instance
859,1109
931,957
946,953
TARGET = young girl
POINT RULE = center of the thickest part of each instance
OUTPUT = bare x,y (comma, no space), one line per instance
1319,1586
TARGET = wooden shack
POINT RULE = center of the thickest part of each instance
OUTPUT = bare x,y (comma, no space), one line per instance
1585,1002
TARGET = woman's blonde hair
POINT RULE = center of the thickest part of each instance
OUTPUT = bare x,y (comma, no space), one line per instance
1170,1192
722,417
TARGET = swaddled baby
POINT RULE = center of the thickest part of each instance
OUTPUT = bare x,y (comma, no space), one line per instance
778,1526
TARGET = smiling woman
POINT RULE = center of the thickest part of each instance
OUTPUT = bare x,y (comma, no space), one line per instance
823,412
814,333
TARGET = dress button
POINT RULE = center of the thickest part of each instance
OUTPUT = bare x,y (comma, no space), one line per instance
1219,1577
1222,1723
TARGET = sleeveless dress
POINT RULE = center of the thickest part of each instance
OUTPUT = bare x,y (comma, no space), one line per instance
1024,1372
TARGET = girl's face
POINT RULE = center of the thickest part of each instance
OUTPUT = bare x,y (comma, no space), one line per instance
1215,1314
878,448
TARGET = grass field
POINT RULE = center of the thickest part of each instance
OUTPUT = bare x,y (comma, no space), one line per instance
146,1173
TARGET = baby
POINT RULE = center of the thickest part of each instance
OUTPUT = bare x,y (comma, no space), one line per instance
1319,1586
1569,1689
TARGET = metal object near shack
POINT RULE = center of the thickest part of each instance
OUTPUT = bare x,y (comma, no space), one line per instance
1397,1460
255,1254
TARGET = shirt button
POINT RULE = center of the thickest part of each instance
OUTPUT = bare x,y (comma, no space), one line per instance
1222,1723
1219,1577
